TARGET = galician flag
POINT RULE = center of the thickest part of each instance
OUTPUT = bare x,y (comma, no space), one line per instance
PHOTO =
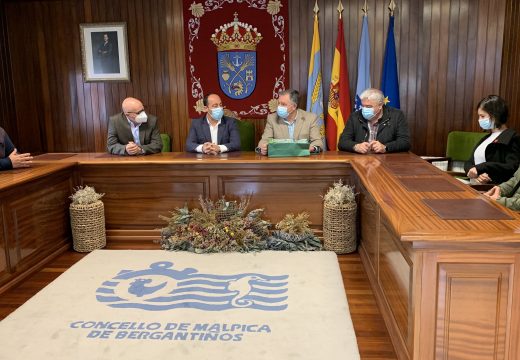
390,78
363,80
339,97
314,84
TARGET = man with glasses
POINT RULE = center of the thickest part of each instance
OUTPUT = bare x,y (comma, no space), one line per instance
133,132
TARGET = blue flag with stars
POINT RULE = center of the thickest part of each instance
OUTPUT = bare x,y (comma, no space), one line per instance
390,78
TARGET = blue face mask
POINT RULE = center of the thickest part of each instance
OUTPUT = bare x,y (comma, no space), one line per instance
282,112
217,113
486,123
368,113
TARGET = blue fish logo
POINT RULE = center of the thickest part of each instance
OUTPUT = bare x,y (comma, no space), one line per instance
160,287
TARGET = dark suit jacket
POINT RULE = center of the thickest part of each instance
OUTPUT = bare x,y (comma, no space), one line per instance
392,131
120,134
6,148
502,157
227,135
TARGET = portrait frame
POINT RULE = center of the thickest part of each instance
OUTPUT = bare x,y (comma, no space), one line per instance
104,52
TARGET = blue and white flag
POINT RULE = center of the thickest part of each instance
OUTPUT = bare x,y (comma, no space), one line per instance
363,80
390,77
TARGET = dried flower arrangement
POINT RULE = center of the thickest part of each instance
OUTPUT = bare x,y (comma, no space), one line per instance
85,195
216,227
226,226
293,233
340,194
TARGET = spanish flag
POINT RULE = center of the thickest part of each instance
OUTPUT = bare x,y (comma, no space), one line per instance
339,98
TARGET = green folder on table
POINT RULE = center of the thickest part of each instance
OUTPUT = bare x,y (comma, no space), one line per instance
288,147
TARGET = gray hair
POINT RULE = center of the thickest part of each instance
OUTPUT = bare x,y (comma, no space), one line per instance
294,95
373,95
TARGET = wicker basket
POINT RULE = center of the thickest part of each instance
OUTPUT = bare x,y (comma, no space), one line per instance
88,226
339,228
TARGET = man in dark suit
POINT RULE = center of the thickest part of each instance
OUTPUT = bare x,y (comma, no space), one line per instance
9,156
376,128
213,133
133,132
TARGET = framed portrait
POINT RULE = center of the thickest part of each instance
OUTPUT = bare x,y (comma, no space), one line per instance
104,52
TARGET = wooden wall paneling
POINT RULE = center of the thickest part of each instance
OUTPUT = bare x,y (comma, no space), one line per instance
180,119
449,56
53,102
7,109
24,75
510,76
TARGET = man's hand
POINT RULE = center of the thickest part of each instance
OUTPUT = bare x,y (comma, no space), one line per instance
362,148
210,148
20,160
215,149
263,149
494,193
132,148
484,178
377,147
472,173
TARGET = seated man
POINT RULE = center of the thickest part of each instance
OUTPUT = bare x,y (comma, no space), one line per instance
507,193
375,128
133,132
213,133
289,122
9,157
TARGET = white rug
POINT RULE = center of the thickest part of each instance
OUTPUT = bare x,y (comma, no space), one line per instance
155,304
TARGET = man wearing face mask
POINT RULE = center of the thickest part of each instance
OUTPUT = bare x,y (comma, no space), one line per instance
376,128
213,133
133,132
289,122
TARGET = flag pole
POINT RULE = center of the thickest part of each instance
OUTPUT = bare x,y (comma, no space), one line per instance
340,8
365,9
392,7
316,9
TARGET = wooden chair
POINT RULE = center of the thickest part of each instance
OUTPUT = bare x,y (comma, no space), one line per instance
459,147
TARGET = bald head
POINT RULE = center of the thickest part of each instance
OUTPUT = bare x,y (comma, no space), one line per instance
132,105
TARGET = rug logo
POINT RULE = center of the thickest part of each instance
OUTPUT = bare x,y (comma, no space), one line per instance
160,287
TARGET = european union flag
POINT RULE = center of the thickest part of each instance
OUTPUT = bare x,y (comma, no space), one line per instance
390,78
363,80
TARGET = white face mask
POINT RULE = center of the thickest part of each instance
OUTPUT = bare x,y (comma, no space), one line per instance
141,118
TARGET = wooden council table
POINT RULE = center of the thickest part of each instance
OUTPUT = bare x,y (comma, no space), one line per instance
441,258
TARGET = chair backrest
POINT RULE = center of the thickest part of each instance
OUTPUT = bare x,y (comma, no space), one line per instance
461,143
166,143
247,135
246,129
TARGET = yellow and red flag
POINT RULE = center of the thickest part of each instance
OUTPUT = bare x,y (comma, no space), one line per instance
339,98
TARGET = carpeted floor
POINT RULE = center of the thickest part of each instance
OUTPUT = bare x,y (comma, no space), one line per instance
136,304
